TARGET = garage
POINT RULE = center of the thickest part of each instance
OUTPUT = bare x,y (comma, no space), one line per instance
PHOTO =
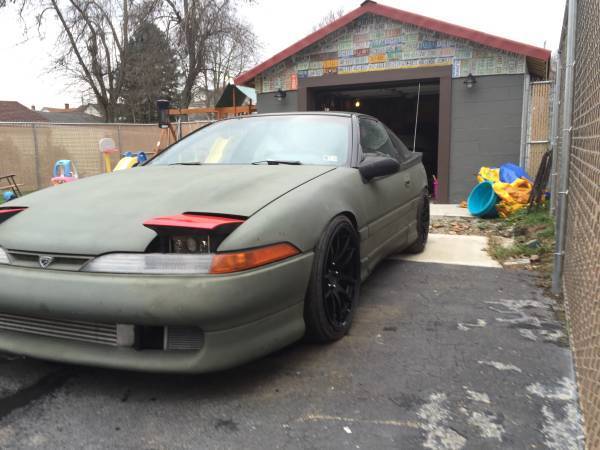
410,110
452,93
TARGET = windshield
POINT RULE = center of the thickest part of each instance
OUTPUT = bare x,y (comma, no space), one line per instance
300,139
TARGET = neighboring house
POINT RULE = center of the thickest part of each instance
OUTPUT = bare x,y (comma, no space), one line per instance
466,87
72,116
88,113
16,112
92,109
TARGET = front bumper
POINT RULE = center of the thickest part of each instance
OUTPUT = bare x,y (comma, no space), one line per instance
243,316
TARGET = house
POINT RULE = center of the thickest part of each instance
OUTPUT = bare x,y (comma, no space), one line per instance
455,94
71,115
93,109
11,111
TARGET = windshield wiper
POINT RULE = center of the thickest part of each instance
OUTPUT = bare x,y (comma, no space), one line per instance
274,162
186,164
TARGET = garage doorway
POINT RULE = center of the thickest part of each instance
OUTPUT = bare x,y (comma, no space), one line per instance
392,96
410,109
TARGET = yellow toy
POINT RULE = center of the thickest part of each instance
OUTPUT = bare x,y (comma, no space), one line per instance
130,160
513,196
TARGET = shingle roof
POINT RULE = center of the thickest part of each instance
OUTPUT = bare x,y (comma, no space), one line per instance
536,56
16,112
72,116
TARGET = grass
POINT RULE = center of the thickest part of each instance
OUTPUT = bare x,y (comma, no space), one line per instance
537,225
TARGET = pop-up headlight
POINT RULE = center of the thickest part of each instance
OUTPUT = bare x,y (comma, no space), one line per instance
187,246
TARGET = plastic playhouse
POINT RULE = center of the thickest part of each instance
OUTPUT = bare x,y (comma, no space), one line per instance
64,172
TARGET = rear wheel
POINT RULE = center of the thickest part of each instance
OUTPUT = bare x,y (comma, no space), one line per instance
334,284
422,225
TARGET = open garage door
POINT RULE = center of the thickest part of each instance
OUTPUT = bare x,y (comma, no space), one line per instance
410,109
392,97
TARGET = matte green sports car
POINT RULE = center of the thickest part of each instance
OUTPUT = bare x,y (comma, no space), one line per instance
236,241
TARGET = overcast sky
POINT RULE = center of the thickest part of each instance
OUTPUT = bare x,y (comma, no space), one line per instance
24,65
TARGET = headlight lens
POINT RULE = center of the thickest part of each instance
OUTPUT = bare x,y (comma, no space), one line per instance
152,263
190,244
4,259
190,263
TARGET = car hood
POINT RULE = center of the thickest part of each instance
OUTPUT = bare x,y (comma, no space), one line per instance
105,213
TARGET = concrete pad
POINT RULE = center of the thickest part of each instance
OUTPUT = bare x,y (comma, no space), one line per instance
454,249
445,210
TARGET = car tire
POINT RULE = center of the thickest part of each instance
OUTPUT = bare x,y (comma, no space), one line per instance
422,225
334,284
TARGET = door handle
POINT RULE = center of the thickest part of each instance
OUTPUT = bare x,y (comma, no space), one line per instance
407,182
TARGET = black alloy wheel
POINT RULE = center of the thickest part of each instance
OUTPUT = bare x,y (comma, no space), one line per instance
335,282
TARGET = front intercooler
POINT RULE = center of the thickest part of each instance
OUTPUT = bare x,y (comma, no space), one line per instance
96,333
117,335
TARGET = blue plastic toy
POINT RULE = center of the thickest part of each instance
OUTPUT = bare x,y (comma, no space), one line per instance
8,195
482,200
509,172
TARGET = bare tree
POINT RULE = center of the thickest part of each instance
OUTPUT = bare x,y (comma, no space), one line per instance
227,56
212,44
331,16
199,27
92,45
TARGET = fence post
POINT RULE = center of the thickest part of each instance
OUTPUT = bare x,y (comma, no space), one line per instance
36,157
554,136
563,190
119,138
524,121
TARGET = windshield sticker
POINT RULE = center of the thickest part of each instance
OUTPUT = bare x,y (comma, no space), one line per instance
330,158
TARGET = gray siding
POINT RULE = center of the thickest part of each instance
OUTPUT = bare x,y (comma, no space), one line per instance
267,103
485,128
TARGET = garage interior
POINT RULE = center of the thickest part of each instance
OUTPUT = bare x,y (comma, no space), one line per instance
410,109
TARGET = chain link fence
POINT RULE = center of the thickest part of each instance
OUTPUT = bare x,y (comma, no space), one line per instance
538,124
581,275
29,150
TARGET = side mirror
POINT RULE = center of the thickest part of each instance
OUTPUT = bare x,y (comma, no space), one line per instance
378,166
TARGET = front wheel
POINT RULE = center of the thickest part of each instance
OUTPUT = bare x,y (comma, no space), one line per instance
334,284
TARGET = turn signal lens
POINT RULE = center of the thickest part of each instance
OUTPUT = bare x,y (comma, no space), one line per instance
238,261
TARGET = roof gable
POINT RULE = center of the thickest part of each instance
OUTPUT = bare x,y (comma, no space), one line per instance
11,111
73,116
538,56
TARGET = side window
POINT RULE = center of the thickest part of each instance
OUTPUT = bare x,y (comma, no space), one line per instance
375,140
402,149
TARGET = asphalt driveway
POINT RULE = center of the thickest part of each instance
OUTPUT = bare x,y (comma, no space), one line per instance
440,356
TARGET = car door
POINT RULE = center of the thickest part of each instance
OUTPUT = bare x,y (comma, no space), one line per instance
415,181
386,200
